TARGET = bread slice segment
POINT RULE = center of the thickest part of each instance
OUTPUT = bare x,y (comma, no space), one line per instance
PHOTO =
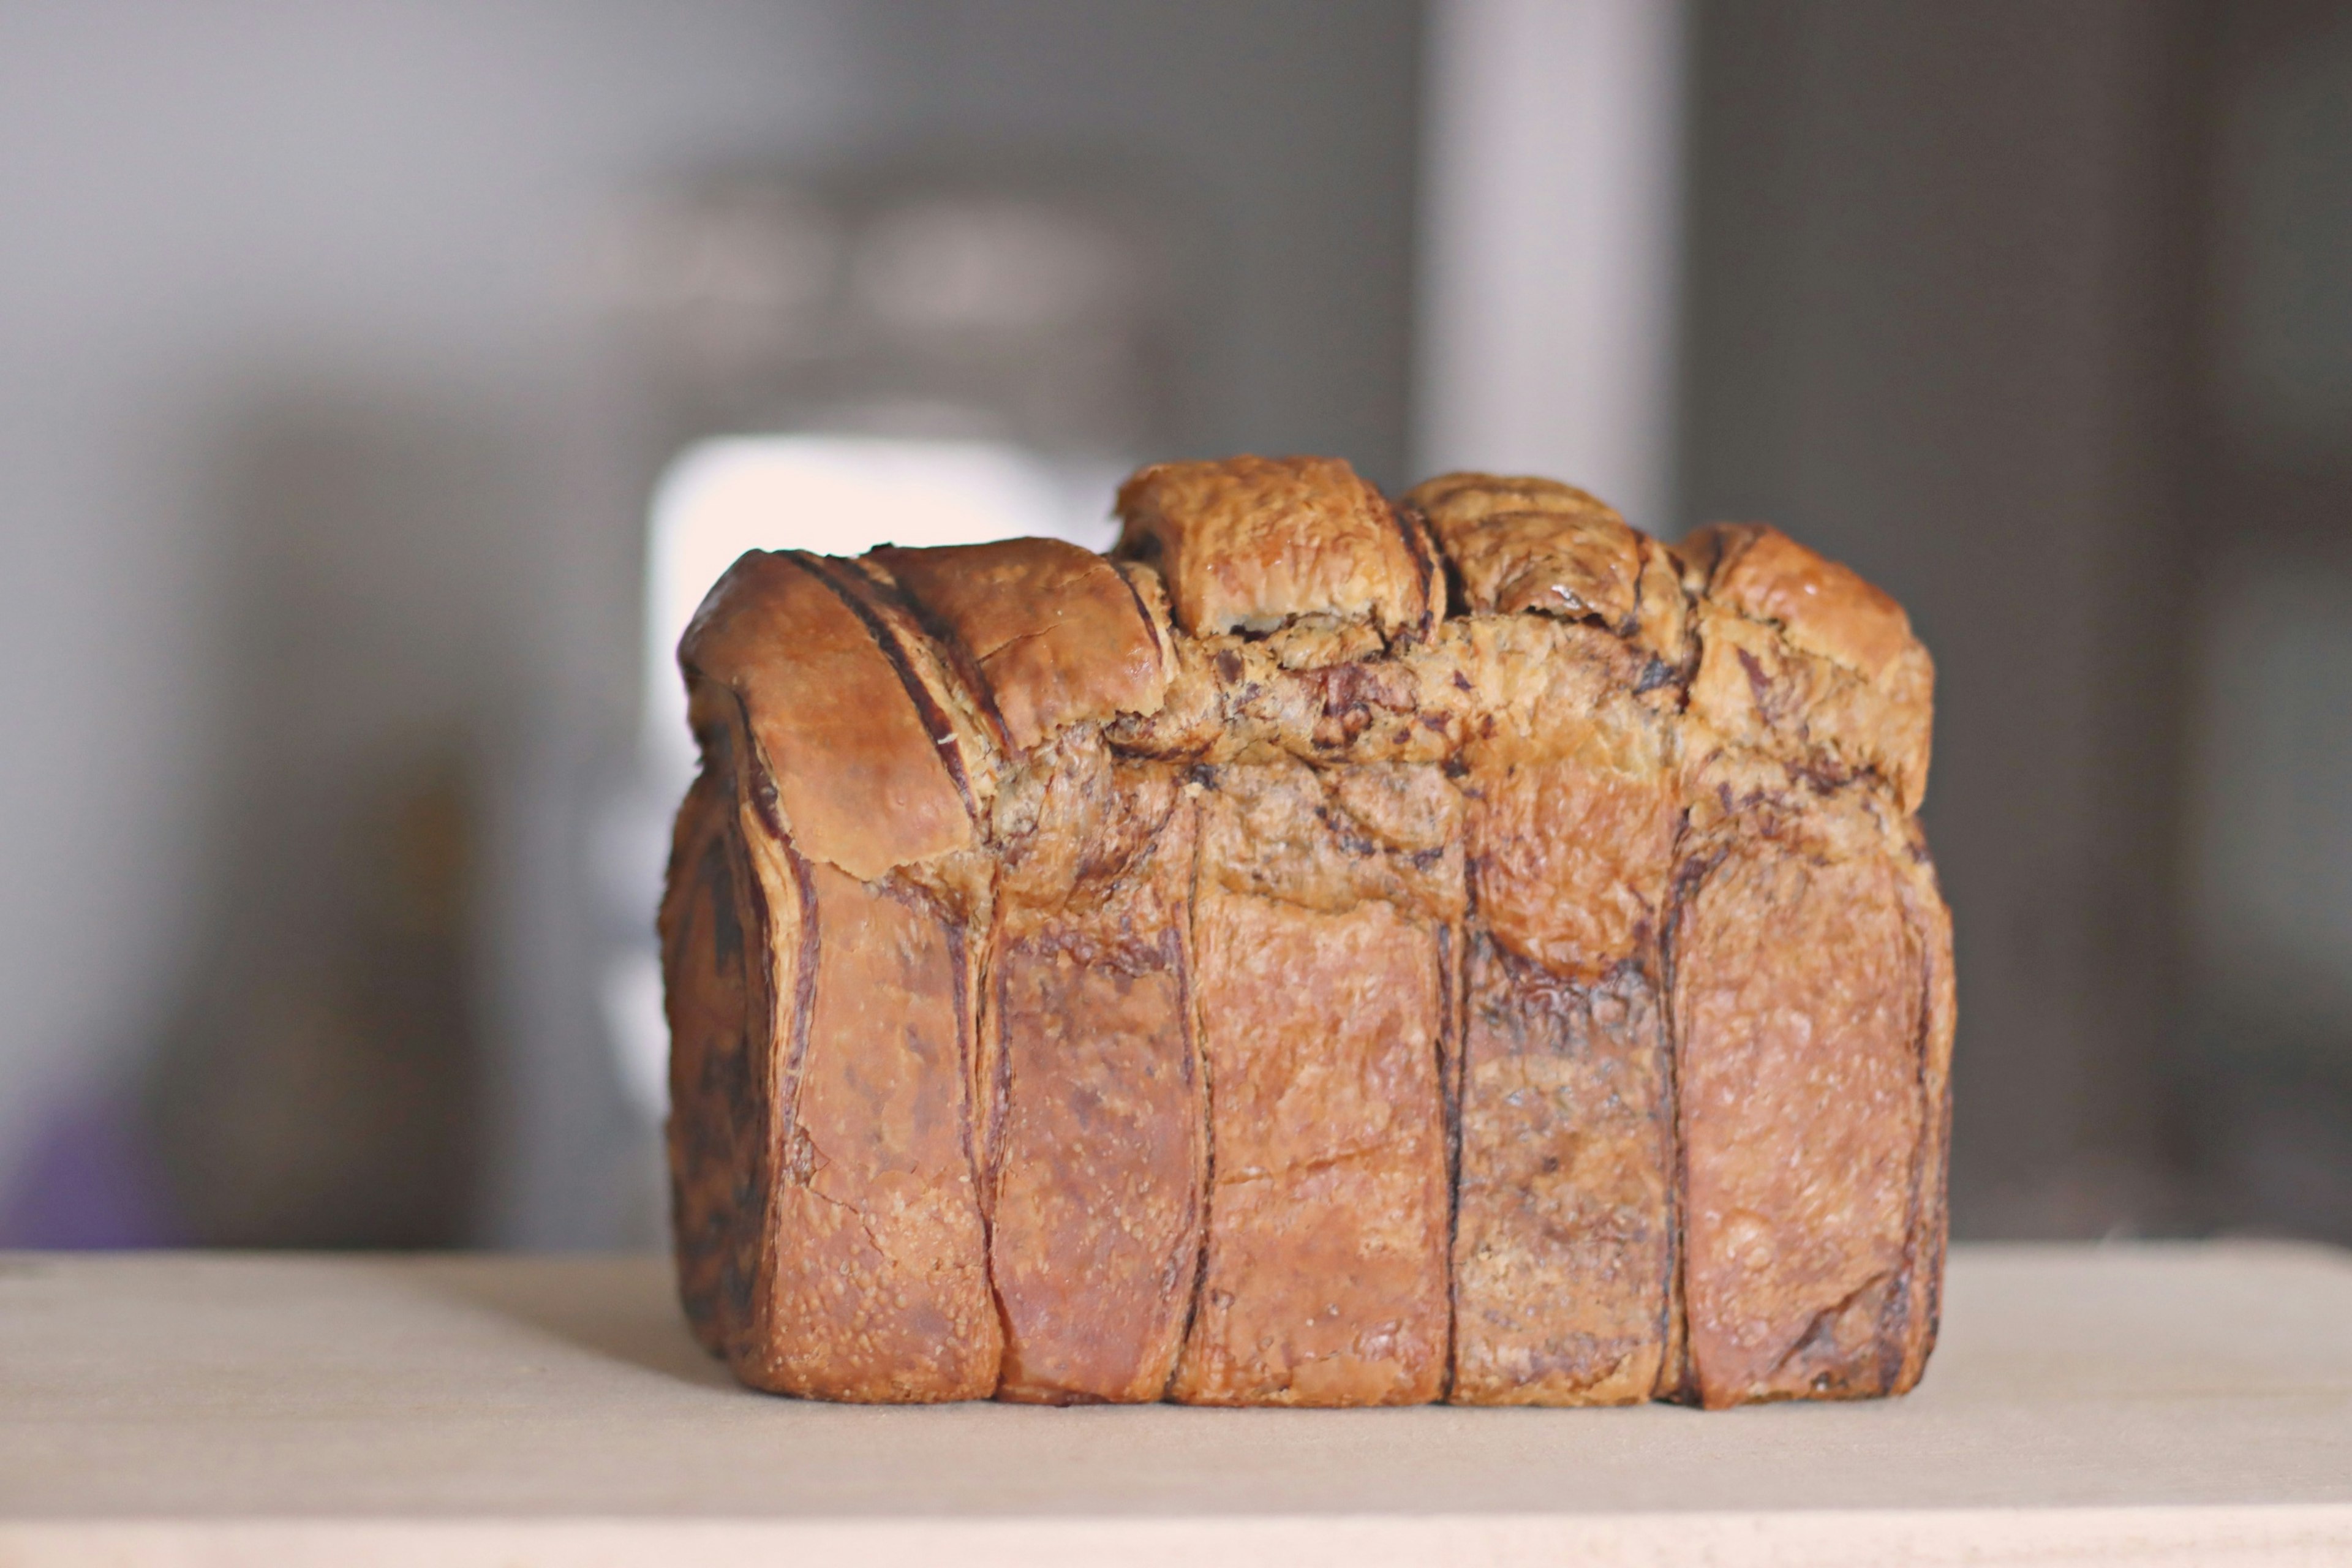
1564,1249
1325,929
1095,1149
829,1220
1098,1143
1803,1016
881,1274
1054,634
1810,960
1249,544
716,928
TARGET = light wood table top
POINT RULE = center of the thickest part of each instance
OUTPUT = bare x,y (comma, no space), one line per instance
2178,1403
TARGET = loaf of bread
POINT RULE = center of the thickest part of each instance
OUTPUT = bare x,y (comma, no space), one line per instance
1329,953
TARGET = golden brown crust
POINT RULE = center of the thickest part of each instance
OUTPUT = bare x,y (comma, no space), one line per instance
1826,609
1533,545
1801,1013
1804,658
1250,543
880,1270
865,768
1325,1276
1522,545
1056,635
1098,1147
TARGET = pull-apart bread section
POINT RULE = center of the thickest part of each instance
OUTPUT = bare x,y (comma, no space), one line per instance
1573,651
1330,951
1810,959
828,1213
1325,920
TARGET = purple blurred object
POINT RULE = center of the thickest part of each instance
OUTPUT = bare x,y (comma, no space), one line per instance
85,1185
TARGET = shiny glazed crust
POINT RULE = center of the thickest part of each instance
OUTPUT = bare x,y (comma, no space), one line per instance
1230,973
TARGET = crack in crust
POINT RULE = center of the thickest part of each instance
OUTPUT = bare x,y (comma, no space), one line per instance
1334,952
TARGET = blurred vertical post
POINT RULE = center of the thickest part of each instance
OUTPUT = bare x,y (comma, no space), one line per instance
1549,244
1941,321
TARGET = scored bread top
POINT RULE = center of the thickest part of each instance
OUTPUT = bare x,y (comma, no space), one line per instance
1801,653
1524,544
1250,543
890,698
1826,609
863,764
1533,545
1056,635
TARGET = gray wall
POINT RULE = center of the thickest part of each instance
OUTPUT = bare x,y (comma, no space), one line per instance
322,462
1284,129
324,448
1936,263
305,409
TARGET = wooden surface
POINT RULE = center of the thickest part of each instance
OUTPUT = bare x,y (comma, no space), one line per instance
2168,1404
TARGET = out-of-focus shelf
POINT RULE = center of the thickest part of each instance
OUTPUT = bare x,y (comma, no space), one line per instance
2120,1404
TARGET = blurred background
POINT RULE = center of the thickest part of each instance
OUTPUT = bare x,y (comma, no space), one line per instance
380,383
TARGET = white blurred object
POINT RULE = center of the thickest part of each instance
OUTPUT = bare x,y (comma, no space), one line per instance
836,495
1550,244
955,364
630,997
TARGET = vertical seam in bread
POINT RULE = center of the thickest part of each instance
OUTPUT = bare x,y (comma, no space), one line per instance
776,1135
1160,643
1423,549
1197,1056
944,739
1452,955
957,655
